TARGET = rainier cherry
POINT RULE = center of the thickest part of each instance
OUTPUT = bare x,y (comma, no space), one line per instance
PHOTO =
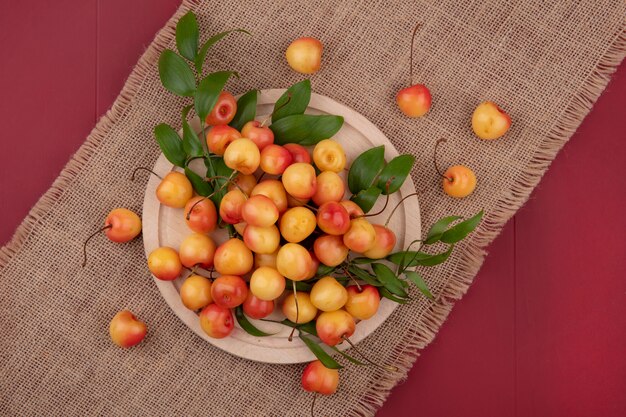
300,180
195,293
224,110
233,258
164,263
275,159
489,121
200,215
216,321
297,223
266,283
361,235
320,379
353,208
197,249
414,101
120,225
304,55
333,218
330,250
458,181
329,155
257,133
383,243
265,259
298,152
274,190
293,262
305,311
330,187
244,183
362,303
242,155
229,291
174,190
256,308
328,295
260,211
219,137
232,205
261,239
126,330
333,326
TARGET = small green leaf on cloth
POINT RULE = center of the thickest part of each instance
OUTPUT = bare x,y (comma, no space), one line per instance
187,36
175,74
170,144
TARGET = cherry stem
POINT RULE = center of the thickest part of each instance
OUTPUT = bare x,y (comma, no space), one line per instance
228,180
442,140
276,109
108,226
353,279
411,58
295,297
398,205
387,185
313,404
132,177
385,367
310,207
402,268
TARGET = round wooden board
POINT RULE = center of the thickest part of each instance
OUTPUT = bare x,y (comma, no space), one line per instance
164,226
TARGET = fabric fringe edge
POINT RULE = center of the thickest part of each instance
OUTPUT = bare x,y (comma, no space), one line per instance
408,350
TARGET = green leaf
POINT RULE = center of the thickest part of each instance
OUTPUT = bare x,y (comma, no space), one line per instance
305,129
365,168
419,283
389,279
170,144
209,91
187,36
300,94
246,109
305,327
385,293
191,144
364,276
176,76
324,270
202,187
219,185
246,325
461,230
199,61
185,112
300,285
398,169
411,258
320,353
348,357
363,260
366,198
437,229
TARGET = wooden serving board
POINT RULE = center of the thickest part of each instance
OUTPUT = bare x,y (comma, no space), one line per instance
165,226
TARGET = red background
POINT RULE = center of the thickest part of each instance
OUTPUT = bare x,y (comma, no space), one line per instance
542,331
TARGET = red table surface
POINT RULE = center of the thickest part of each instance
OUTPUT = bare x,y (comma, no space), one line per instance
542,332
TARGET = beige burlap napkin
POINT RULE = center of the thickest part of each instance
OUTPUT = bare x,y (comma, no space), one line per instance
544,62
